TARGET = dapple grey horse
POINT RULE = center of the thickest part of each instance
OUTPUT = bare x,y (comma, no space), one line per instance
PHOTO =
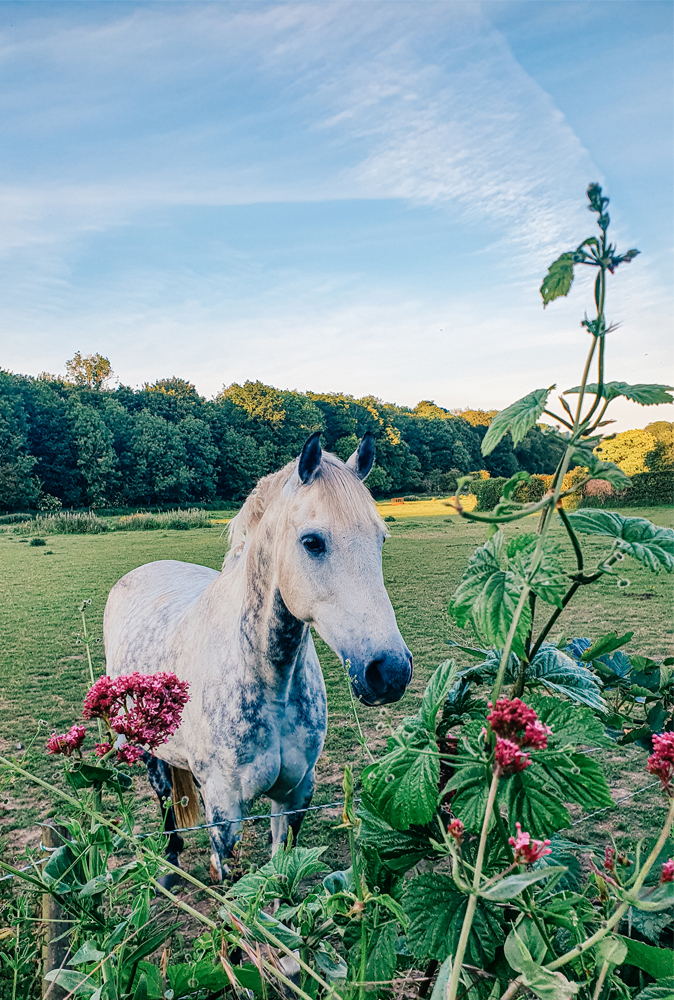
305,550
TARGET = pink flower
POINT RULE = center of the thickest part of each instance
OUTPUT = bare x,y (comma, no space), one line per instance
456,830
67,743
609,859
510,758
144,708
102,748
536,735
661,761
527,850
515,721
668,871
129,754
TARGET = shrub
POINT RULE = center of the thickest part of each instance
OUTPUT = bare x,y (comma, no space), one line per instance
37,541
488,492
63,523
48,502
178,520
647,489
15,518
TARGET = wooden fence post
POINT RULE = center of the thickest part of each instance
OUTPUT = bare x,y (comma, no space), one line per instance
55,947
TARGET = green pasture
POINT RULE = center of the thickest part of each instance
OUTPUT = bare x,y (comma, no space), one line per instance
44,675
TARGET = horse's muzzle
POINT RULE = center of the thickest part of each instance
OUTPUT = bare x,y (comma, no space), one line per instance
383,680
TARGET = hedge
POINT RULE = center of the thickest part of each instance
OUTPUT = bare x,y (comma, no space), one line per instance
647,489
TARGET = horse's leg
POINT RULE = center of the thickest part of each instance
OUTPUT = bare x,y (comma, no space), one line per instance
222,805
299,798
159,774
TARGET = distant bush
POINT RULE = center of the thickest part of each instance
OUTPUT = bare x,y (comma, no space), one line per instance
389,517
47,502
37,541
488,492
63,523
178,520
14,518
648,489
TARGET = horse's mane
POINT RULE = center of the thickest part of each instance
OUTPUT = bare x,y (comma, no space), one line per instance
341,492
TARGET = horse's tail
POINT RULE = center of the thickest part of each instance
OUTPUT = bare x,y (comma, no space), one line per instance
184,796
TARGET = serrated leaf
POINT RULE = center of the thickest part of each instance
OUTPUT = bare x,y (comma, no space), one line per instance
297,864
436,692
549,581
607,644
488,596
513,885
534,805
576,778
664,990
570,724
559,672
381,953
403,786
471,788
645,395
558,280
436,910
646,542
518,418
398,850
609,472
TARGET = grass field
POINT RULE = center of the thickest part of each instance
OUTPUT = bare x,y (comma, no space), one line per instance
43,672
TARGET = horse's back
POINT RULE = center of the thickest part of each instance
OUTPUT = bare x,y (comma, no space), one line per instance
143,610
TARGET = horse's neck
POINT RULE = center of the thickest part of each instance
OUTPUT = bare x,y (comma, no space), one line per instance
270,638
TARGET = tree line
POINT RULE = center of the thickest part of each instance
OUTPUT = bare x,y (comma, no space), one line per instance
74,439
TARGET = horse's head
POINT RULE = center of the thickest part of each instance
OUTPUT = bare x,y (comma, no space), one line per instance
330,571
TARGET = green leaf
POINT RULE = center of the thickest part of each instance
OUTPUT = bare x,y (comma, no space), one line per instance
570,724
544,983
657,962
62,869
76,982
645,395
403,786
398,850
87,953
549,581
559,278
150,944
531,938
607,644
298,863
512,484
651,925
471,785
436,692
488,596
141,989
83,775
518,418
96,885
557,671
534,804
612,950
598,469
381,953
663,990
576,778
436,911
442,982
635,536
513,885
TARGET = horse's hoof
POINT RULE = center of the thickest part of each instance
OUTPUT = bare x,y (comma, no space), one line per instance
170,881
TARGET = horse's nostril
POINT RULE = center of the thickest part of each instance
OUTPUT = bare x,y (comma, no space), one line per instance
374,677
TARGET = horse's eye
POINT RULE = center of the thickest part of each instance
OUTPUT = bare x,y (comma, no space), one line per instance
313,544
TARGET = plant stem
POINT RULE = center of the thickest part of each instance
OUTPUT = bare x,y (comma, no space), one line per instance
361,739
505,655
600,981
472,899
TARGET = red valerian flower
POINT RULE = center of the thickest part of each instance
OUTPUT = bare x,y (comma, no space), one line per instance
609,859
145,708
661,761
527,850
456,830
515,721
129,754
510,758
102,748
668,871
67,743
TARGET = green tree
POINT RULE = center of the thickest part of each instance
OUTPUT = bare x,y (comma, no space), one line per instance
19,488
661,458
96,458
89,370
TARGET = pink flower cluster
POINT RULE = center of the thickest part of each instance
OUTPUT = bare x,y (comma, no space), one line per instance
516,726
661,761
527,850
66,743
456,830
668,871
144,708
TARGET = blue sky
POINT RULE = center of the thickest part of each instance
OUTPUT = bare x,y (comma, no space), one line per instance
350,196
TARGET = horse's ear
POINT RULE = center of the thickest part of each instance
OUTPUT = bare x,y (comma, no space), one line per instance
362,459
310,458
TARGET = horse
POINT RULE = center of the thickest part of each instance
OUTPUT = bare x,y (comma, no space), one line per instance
305,550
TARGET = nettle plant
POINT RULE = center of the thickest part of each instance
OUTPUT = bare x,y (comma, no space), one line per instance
458,866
